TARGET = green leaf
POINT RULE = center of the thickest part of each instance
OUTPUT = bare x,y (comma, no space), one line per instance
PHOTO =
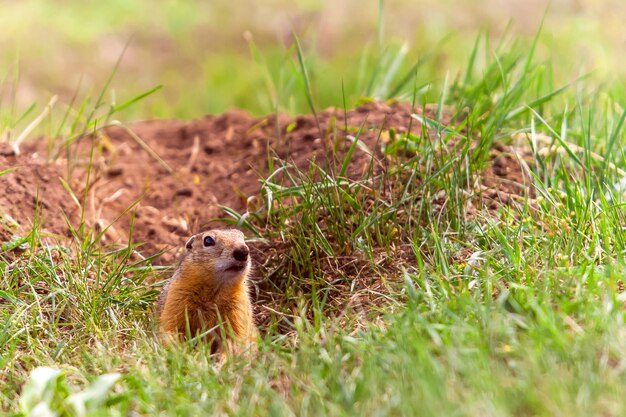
95,395
44,390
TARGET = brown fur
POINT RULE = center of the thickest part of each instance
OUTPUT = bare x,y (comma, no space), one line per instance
204,295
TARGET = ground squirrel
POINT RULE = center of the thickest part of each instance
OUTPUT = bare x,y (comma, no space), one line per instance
209,288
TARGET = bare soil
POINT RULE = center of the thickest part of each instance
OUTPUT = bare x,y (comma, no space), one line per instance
176,180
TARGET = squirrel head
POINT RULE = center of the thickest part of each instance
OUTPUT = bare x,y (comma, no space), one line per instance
221,255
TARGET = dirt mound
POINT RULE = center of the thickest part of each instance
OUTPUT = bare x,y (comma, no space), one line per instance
32,192
175,176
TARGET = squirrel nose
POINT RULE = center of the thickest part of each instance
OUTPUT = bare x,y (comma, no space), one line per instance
241,254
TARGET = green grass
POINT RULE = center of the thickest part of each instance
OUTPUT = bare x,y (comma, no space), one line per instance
514,312
206,68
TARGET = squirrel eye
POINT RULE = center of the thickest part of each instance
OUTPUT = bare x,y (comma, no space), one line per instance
209,241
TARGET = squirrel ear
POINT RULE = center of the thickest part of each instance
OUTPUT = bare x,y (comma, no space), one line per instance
189,244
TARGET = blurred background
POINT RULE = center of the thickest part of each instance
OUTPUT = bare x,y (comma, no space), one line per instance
209,56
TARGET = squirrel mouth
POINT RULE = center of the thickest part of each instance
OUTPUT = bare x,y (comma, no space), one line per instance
236,267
